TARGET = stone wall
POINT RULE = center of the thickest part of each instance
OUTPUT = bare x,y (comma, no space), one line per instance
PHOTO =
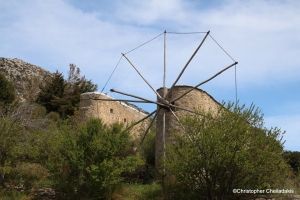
194,100
115,111
110,111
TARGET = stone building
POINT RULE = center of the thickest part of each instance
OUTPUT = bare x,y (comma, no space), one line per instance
195,100
115,111
91,106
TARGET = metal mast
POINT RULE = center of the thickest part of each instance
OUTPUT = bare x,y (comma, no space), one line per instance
164,109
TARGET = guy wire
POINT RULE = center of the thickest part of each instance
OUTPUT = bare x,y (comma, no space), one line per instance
236,99
143,44
221,48
185,32
111,74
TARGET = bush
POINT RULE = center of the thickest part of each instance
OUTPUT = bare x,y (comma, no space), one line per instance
293,159
7,90
92,160
226,150
28,175
145,174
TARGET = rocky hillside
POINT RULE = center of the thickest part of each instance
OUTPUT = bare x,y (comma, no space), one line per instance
25,76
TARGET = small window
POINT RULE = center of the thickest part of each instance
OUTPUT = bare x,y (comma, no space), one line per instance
111,110
125,120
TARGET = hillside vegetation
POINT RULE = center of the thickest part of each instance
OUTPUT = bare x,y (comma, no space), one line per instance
46,153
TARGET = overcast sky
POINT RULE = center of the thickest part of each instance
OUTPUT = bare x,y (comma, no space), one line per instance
263,36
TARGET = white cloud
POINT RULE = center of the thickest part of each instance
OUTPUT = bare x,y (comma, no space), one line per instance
64,35
264,36
150,12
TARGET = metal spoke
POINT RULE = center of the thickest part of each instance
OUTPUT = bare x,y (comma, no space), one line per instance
121,100
142,76
181,125
177,119
191,58
188,110
141,120
147,130
150,101
204,82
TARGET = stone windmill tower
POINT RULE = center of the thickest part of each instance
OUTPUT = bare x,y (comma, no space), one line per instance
172,103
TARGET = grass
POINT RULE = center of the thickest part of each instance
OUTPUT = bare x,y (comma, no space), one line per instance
138,191
13,195
125,192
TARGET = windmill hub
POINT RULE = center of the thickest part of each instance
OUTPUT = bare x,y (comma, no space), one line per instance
166,102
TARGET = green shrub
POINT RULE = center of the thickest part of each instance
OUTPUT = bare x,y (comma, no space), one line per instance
7,90
293,159
28,175
147,148
25,146
92,159
226,150
146,173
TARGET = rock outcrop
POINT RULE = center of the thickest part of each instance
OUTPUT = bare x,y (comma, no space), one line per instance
25,76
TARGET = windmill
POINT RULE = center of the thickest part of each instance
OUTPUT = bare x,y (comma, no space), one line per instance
168,99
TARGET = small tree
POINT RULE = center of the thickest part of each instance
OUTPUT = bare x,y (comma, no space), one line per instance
92,159
226,150
51,94
75,86
7,90
63,96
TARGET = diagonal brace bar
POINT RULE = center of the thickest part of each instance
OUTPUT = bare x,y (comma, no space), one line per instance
188,110
181,125
191,58
132,125
146,132
121,100
204,82
150,101
142,76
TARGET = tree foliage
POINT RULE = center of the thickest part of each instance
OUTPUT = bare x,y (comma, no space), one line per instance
23,130
226,150
51,94
293,159
63,96
92,159
75,86
7,90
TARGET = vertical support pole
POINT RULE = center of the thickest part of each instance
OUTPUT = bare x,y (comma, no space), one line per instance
164,81
164,115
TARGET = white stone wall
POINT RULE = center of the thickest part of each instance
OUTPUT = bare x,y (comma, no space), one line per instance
109,111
